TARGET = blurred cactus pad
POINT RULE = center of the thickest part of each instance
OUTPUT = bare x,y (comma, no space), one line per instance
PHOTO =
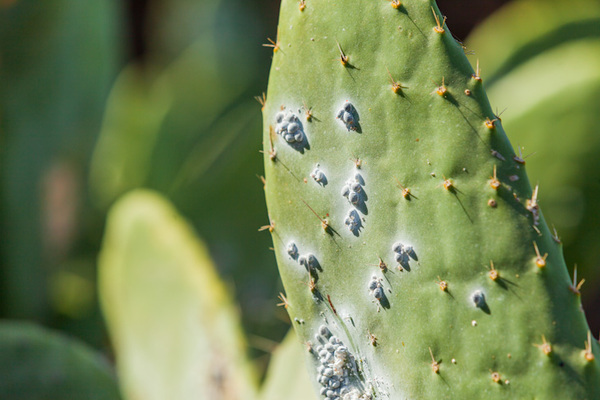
415,257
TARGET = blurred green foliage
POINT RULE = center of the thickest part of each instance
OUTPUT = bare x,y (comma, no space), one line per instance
182,121
57,62
36,363
185,123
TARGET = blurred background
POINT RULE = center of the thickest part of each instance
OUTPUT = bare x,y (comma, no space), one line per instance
99,97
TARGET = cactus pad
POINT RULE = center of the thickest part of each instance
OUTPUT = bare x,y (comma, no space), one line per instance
421,249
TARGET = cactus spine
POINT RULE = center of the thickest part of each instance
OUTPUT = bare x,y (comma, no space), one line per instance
415,258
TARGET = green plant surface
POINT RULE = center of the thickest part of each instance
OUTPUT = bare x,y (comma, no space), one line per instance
122,156
173,25
185,130
551,94
175,331
287,377
36,363
59,58
394,105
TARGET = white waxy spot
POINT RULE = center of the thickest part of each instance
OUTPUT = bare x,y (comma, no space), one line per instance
376,288
312,261
353,222
289,127
401,258
378,293
293,127
403,253
345,191
354,192
318,175
292,250
349,116
398,247
336,367
478,298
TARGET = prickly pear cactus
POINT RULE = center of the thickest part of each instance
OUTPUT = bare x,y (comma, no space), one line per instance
415,258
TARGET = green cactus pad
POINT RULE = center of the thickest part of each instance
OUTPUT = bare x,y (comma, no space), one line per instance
174,329
388,176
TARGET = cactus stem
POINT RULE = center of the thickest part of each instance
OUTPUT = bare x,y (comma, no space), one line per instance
493,274
435,366
439,28
587,353
494,182
545,347
576,286
540,260
284,301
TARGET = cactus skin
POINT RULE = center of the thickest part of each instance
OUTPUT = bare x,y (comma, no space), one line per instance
525,65
440,148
